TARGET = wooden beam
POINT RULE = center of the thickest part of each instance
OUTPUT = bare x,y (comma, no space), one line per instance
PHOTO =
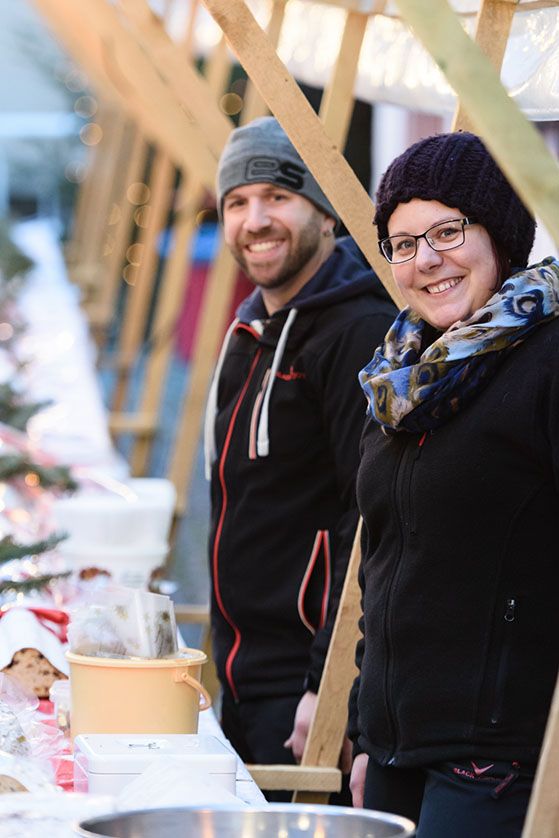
328,727
169,303
542,819
364,7
303,127
493,24
79,242
94,33
139,295
338,99
254,105
218,68
211,326
101,311
199,614
190,88
105,173
514,142
80,43
300,777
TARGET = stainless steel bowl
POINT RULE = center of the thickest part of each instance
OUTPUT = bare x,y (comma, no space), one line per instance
283,820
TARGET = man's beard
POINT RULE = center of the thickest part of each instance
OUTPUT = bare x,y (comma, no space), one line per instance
306,247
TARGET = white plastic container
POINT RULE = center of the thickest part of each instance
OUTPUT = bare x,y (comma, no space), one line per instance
138,511
106,762
130,565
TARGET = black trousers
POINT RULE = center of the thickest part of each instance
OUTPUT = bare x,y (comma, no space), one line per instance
257,730
473,799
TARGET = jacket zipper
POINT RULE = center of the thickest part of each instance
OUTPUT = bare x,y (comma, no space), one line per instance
219,529
411,504
406,484
509,617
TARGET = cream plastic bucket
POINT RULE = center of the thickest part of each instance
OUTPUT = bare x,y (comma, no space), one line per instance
120,695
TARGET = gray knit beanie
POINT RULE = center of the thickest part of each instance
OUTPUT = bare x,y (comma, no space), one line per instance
261,152
457,170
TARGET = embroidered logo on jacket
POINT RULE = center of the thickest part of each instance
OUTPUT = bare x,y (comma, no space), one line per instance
292,375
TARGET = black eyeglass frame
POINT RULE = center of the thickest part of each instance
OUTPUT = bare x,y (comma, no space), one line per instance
465,222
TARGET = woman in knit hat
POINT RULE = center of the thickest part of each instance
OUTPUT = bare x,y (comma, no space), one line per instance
459,495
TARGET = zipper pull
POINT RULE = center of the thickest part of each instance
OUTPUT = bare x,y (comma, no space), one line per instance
509,611
420,444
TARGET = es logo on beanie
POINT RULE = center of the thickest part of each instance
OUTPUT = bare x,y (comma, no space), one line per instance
284,173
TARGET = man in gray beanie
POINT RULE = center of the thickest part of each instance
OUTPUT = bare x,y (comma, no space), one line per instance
283,423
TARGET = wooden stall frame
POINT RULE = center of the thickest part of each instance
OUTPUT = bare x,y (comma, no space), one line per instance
514,142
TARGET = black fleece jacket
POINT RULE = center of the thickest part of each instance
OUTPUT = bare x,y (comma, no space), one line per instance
460,573
282,524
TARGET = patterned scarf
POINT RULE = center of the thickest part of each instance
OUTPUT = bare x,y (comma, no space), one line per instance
413,391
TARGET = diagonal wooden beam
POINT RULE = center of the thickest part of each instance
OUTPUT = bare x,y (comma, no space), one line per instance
303,127
191,89
146,83
493,24
81,44
514,142
96,36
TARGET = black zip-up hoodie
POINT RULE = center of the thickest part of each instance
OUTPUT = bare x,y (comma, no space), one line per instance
460,574
284,418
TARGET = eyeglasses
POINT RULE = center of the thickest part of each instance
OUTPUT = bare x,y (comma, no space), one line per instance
443,236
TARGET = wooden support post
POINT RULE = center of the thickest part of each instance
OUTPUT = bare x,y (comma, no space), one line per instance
191,89
164,328
85,271
101,311
218,68
337,103
328,728
140,293
493,24
64,19
303,127
515,143
542,820
94,33
254,104
211,325
189,35
74,246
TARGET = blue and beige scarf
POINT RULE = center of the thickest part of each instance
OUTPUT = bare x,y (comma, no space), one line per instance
418,391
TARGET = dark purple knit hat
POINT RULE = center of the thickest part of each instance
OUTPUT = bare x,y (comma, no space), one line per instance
457,170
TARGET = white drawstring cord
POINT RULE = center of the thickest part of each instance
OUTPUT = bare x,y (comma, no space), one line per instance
263,437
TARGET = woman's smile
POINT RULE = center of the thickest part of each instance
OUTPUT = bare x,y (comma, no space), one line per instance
443,286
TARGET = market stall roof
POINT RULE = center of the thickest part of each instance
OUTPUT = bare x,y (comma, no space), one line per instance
394,67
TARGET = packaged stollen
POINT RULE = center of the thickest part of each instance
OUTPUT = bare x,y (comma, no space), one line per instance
32,646
127,623
27,744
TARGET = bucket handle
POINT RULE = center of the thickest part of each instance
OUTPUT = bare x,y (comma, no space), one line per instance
182,677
